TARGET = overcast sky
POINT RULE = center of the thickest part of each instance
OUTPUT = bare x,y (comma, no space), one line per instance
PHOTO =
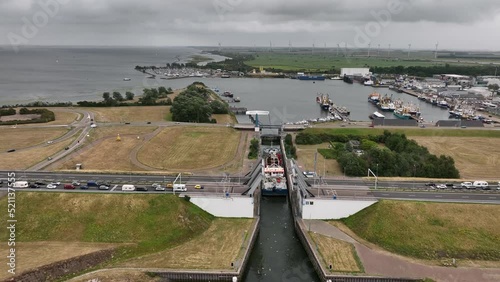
455,24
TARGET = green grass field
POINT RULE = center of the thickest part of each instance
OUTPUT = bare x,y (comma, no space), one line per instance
325,61
408,131
150,222
431,231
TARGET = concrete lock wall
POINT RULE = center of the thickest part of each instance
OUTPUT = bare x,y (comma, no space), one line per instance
332,209
240,207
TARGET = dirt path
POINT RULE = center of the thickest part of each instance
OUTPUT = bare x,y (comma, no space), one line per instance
378,262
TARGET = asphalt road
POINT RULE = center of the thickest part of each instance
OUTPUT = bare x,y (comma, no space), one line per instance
213,184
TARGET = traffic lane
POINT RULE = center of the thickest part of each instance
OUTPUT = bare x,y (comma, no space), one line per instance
34,176
437,196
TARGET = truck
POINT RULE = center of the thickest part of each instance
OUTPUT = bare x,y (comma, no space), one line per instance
20,184
179,188
128,187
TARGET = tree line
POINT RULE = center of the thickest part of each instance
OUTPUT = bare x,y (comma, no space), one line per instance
45,116
149,97
429,71
398,157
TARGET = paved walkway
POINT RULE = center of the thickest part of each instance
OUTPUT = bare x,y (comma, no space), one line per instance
377,262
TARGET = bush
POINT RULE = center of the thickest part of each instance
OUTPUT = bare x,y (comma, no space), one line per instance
254,149
7,112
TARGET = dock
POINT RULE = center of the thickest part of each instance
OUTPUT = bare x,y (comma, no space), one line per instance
238,110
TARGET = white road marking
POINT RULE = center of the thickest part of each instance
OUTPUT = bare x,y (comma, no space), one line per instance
385,194
114,187
493,198
465,197
439,196
411,195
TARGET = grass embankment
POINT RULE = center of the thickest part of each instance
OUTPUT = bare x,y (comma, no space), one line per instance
102,140
190,148
145,223
27,158
36,254
326,61
130,114
63,117
305,158
22,137
431,230
474,157
339,254
224,238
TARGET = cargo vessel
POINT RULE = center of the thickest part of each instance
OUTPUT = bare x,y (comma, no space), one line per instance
273,173
302,76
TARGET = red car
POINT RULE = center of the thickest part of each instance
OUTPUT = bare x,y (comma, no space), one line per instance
69,186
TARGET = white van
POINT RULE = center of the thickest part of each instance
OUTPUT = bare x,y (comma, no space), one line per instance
480,184
179,188
128,187
20,184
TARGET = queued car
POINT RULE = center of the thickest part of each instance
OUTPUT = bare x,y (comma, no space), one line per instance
141,188
158,187
84,187
441,186
34,185
103,187
40,183
198,186
75,183
69,186
51,186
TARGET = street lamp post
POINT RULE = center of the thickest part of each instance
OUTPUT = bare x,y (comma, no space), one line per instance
376,179
414,175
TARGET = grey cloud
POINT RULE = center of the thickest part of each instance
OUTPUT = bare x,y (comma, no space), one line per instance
236,21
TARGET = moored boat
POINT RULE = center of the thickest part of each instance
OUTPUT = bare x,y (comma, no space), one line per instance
273,173
374,98
402,113
376,115
324,101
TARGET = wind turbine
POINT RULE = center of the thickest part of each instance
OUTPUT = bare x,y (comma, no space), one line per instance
436,52
270,46
312,50
369,46
389,51
220,47
409,49
378,51
338,49
289,46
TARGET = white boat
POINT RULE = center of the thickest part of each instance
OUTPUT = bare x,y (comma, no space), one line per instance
368,83
126,79
376,115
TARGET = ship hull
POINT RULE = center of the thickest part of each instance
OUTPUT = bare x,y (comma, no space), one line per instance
400,116
311,77
275,192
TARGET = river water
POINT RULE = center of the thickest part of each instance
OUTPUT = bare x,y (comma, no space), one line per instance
84,73
278,254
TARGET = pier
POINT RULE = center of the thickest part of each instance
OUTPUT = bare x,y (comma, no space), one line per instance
238,110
